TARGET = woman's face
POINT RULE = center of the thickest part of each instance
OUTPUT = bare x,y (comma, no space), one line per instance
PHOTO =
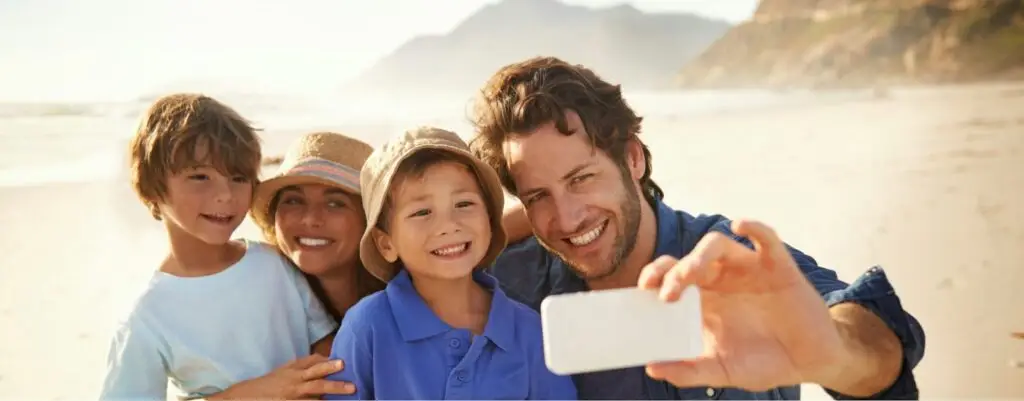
318,227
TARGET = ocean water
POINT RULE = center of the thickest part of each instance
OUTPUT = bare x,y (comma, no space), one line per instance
48,143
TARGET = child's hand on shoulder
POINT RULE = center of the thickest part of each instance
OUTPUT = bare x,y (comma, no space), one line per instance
303,378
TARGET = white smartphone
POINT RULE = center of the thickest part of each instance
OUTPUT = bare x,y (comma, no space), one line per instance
610,329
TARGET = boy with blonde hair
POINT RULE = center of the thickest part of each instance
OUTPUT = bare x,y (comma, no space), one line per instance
442,329
217,311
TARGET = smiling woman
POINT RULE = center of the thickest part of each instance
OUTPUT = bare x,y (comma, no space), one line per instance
312,211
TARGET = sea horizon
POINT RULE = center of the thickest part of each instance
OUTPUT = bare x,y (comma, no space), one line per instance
57,142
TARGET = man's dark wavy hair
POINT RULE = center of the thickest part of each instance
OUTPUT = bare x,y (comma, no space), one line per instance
521,97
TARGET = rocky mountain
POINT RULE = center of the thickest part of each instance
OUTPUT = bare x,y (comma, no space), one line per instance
838,43
640,50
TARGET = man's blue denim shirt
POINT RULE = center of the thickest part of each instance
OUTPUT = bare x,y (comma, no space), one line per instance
529,273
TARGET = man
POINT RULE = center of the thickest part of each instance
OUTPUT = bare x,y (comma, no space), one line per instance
565,143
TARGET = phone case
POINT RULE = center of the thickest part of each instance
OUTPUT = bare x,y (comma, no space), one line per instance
610,329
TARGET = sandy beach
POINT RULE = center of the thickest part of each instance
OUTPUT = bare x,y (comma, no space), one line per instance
928,183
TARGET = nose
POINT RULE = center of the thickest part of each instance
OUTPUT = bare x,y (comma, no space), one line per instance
224,192
569,213
446,223
313,217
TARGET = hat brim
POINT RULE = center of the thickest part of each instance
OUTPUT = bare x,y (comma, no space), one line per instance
494,195
266,191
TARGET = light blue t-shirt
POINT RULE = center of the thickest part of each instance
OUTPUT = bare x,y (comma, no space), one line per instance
396,348
206,333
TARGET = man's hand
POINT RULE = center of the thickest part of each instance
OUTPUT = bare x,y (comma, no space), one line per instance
301,379
765,326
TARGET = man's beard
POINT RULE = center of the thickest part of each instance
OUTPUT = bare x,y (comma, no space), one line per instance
625,237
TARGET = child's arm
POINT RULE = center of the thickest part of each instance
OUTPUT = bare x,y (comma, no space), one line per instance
354,345
517,226
135,368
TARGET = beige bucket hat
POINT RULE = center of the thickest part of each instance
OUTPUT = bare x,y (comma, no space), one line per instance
325,158
379,170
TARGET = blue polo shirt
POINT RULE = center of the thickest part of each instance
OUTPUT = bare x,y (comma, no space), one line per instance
395,347
528,272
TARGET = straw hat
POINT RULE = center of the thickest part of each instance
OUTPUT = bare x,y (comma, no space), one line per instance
379,170
325,158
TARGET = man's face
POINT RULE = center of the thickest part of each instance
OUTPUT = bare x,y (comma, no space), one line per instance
582,205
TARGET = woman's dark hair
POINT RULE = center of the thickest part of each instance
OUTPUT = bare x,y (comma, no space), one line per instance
521,97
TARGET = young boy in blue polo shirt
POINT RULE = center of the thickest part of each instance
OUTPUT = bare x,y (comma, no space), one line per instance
442,329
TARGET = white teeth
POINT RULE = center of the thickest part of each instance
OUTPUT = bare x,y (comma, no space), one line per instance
451,250
587,237
313,241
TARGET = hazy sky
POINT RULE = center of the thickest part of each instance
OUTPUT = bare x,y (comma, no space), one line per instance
118,49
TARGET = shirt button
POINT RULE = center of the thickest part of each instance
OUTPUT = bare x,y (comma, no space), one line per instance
454,343
461,375
710,392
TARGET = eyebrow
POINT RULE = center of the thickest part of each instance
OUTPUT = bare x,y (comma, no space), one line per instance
565,177
576,170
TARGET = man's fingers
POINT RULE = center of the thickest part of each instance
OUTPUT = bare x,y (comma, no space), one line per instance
700,372
683,274
712,248
321,387
321,370
766,241
652,275
702,266
713,253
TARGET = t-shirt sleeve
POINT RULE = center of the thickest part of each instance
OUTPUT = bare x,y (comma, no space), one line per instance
354,345
135,369
319,323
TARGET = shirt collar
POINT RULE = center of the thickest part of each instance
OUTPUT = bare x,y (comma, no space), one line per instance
416,321
668,241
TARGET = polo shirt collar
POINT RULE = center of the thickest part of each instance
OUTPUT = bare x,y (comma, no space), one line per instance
416,321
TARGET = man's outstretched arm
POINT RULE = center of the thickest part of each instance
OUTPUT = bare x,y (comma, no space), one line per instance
882,342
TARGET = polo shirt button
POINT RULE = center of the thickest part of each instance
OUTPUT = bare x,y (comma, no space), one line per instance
710,392
461,375
454,343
